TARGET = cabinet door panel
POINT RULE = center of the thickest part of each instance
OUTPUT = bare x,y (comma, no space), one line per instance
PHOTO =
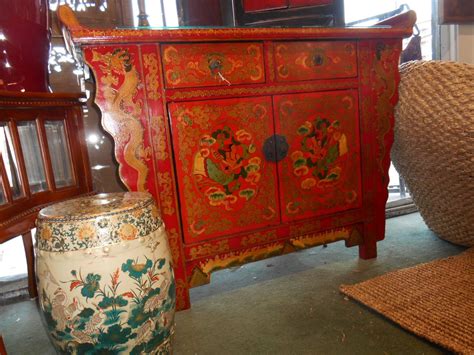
225,183
321,173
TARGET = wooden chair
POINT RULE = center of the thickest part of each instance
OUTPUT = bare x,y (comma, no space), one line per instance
43,159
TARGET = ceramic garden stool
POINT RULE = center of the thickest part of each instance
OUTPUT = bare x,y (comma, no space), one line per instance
105,277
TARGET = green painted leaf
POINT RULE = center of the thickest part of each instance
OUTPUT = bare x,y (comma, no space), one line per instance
114,335
299,162
332,155
118,301
217,196
113,316
332,176
216,174
247,193
137,317
303,130
86,313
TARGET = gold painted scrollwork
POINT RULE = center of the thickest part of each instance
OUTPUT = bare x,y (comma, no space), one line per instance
314,239
305,228
173,239
258,238
271,65
166,196
158,127
209,249
240,257
150,61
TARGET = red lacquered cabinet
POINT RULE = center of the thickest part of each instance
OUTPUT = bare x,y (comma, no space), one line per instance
255,142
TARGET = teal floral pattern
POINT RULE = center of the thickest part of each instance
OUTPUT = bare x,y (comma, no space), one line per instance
135,269
91,285
108,315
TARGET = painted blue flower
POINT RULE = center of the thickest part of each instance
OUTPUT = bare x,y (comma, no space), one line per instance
91,285
137,317
135,269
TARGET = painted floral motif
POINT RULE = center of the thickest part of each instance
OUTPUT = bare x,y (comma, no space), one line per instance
318,162
127,231
86,232
131,220
106,314
226,168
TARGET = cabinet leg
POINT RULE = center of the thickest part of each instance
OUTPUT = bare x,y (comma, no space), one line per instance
3,350
368,250
30,263
182,292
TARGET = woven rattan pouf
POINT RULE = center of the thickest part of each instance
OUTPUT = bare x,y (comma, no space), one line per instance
434,145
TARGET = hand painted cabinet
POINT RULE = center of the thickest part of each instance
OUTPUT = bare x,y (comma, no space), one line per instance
255,142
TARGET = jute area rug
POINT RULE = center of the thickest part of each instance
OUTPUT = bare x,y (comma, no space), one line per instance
434,300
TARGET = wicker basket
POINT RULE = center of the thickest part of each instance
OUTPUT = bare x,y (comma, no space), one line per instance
434,144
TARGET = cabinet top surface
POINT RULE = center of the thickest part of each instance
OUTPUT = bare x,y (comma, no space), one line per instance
396,27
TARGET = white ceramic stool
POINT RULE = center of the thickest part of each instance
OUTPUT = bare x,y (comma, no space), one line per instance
105,277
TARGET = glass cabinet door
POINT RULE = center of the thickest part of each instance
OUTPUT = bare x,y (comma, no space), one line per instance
59,153
3,198
10,163
32,155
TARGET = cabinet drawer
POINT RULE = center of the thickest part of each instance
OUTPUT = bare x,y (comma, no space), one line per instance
315,60
213,64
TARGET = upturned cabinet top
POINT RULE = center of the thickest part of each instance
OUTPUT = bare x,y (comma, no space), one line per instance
395,27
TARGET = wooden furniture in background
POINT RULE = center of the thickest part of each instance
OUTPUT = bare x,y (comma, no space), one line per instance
289,12
205,12
255,142
43,159
455,12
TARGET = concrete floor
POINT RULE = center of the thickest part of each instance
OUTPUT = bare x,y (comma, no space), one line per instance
284,305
